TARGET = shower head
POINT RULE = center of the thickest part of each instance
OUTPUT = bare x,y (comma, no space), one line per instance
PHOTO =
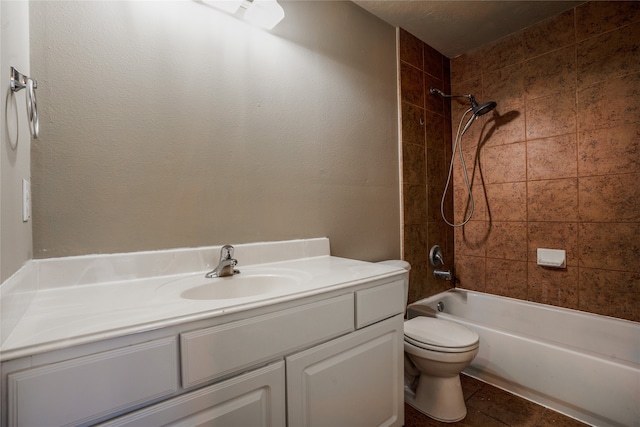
478,110
481,109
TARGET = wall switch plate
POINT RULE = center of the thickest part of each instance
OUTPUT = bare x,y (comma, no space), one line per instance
26,201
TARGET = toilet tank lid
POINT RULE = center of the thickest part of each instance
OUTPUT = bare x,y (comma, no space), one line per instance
397,263
439,332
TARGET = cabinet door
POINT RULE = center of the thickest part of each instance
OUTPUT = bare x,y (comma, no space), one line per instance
355,380
253,399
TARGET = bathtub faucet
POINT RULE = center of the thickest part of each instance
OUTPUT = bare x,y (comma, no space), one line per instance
444,274
226,265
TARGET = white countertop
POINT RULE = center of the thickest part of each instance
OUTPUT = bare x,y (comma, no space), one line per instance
61,317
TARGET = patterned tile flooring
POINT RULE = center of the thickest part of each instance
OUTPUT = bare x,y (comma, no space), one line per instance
488,406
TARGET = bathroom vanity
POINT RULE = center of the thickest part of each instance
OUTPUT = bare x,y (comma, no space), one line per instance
323,349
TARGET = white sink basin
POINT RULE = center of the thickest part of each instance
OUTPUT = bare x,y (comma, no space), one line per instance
238,286
244,285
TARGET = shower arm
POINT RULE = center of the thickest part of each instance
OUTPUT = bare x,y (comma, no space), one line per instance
433,90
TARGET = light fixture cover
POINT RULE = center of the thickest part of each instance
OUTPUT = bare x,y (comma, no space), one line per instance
264,13
229,6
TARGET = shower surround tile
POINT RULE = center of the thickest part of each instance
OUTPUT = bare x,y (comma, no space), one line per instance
415,204
553,33
434,199
596,17
610,246
504,86
506,125
416,251
412,124
597,108
505,163
471,239
608,55
433,62
506,278
577,112
411,50
509,50
466,66
472,163
463,204
414,166
545,74
411,85
470,271
553,200
551,115
552,158
609,150
507,202
609,198
557,287
438,165
435,130
610,293
508,240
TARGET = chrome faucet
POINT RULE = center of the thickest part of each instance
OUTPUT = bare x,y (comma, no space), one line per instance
226,265
436,259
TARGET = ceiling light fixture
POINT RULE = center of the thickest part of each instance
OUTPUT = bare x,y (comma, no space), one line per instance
263,13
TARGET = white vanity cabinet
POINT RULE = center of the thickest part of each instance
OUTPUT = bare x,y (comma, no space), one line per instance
334,359
357,379
353,381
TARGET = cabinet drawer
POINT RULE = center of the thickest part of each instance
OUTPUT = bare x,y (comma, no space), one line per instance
84,389
256,399
379,303
214,352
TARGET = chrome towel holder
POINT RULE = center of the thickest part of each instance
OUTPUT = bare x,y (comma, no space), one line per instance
18,82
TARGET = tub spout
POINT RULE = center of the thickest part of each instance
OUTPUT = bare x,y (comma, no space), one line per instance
444,274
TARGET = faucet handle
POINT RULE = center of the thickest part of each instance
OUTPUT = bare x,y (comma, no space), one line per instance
226,252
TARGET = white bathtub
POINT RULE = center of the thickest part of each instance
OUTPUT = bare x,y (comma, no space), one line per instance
583,365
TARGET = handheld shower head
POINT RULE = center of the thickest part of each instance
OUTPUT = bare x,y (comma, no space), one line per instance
478,110
481,109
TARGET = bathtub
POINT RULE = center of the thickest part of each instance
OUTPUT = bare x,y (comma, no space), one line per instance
583,365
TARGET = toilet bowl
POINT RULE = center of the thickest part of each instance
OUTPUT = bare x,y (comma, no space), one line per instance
436,352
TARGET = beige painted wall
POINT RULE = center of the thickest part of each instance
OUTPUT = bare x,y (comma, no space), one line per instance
168,124
15,235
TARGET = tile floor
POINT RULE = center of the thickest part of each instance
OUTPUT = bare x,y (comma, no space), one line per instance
488,406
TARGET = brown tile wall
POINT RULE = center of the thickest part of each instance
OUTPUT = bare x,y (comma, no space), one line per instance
557,165
426,148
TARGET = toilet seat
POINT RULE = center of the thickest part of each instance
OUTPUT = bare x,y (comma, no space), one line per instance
440,335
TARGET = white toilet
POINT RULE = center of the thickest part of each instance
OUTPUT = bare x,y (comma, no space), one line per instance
436,351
